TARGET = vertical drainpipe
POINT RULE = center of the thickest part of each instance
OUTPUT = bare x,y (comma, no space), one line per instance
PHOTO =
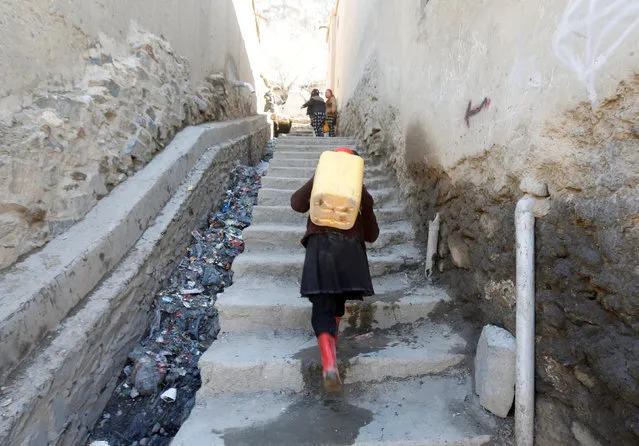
536,203
525,321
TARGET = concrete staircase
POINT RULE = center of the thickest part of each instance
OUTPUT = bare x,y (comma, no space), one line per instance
302,128
405,383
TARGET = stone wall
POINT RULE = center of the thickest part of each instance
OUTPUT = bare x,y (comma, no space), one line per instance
59,393
544,121
90,97
45,42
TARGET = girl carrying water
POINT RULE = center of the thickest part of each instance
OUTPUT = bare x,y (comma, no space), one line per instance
335,270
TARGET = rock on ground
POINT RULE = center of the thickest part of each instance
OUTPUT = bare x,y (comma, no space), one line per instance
495,370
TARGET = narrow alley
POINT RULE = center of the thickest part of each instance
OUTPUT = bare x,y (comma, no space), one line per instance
154,273
408,380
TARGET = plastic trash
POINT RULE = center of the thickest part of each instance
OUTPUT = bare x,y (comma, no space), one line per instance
185,320
191,291
170,395
262,167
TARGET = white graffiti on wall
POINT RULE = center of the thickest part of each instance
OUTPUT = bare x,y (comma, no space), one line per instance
602,25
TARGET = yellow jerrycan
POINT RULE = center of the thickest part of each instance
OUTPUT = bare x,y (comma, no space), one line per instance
337,190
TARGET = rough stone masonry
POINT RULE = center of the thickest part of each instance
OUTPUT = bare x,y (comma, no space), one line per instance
63,150
587,249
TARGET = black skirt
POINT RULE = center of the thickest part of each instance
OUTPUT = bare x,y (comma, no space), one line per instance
336,264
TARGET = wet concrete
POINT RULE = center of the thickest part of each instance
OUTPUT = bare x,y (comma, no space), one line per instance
311,420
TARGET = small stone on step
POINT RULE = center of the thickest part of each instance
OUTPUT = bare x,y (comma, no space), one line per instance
156,428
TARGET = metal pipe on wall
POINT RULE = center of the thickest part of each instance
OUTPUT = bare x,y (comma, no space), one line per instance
525,321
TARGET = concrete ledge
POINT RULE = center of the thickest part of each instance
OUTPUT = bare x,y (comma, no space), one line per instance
37,293
58,393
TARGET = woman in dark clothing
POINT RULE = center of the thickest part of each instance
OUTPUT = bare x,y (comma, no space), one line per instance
316,110
335,270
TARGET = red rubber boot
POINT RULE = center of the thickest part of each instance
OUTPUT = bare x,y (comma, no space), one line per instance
330,374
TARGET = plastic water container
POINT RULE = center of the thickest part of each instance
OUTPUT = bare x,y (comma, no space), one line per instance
337,190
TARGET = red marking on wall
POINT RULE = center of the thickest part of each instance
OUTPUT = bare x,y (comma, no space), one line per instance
470,111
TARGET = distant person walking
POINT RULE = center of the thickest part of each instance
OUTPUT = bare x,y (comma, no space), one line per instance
316,110
331,111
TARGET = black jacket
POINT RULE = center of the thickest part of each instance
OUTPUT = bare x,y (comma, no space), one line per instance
314,105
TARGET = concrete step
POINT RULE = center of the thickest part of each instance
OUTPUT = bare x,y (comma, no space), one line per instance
300,133
291,172
289,264
426,411
309,152
294,154
263,302
297,154
301,172
288,162
311,147
269,236
282,197
288,139
275,182
241,362
286,215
